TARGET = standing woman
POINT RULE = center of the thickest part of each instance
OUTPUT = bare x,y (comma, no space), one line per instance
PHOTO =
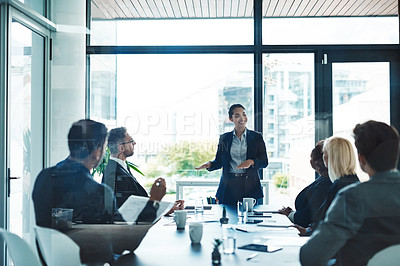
241,154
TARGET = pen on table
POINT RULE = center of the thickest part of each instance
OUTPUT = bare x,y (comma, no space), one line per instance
252,256
242,230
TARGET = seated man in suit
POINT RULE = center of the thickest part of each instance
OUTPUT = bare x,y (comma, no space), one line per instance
70,185
117,174
364,217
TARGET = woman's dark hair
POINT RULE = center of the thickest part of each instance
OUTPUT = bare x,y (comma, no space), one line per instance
86,136
317,161
115,137
378,143
233,107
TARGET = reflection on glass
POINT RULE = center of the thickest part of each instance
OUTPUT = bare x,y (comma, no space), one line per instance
360,93
174,106
36,5
26,85
172,32
289,119
331,30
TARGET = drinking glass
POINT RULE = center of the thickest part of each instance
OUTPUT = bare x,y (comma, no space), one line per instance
198,207
229,238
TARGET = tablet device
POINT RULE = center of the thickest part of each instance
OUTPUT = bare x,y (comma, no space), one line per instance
259,247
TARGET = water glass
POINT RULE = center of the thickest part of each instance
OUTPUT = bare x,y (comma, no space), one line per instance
198,207
229,239
242,208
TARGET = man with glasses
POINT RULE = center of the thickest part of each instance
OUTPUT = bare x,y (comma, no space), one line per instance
117,174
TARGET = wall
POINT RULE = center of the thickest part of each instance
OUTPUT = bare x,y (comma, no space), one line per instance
67,77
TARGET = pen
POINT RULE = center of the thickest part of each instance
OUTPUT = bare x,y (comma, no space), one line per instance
252,256
242,230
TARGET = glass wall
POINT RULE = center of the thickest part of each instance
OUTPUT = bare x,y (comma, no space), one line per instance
173,32
331,30
36,5
360,92
25,123
174,106
289,119
161,97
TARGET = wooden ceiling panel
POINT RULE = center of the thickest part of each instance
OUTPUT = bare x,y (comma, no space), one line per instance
249,9
317,5
220,8
271,8
234,8
333,6
175,9
309,7
242,8
160,8
213,8
323,9
387,6
301,7
285,10
278,8
227,8
353,7
205,9
293,8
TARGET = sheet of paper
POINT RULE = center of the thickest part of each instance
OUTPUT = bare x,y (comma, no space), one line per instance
276,220
134,205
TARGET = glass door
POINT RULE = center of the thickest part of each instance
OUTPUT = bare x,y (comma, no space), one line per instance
25,123
360,92
360,88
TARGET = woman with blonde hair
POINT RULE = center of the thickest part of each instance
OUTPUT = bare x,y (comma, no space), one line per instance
339,157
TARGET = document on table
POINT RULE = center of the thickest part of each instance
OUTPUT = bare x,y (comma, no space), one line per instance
134,205
276,221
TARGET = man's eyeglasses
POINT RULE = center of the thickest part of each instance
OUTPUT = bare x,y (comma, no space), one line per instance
127,142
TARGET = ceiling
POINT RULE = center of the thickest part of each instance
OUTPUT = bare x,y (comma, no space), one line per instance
177,9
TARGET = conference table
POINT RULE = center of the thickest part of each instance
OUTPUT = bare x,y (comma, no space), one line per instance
164,244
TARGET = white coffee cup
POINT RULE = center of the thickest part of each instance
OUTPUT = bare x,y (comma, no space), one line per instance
250,203
195,232
180,218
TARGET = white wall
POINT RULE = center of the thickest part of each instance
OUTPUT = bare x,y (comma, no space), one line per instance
67,85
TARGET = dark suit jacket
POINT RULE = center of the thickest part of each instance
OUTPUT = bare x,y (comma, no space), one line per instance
252,187
124,184
70,185
310,199
333,190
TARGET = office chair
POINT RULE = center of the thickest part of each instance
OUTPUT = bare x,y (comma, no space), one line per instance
389,256
20,251
57,249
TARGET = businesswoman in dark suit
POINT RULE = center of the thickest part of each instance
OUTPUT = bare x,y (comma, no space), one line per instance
310,199
241,154
339,157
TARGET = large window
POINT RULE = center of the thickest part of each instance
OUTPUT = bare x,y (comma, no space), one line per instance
289,118
174,106
356,30
173,32
168,70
